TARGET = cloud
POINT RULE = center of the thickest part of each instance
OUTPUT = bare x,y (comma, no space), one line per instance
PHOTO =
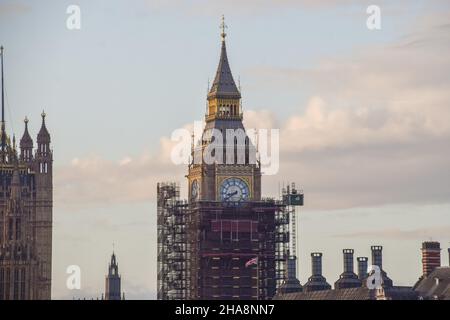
377,132
93,180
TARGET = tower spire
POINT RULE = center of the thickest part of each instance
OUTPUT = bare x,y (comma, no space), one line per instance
3,141
223,85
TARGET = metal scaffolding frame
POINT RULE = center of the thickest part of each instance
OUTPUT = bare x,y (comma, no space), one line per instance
173,251
181,257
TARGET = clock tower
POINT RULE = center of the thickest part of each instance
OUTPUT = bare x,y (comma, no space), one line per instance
224,164
225,242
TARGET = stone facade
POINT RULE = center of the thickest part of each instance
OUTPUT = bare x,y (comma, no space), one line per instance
26,202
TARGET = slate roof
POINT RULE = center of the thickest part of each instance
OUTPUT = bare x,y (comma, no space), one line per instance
362,293
436,285
224,85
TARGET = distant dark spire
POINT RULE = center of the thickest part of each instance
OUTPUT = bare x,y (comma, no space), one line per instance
224,85
3,133
112,288
113,260
43,135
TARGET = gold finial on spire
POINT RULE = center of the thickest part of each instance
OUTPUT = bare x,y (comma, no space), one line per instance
223,26
43,114
25,120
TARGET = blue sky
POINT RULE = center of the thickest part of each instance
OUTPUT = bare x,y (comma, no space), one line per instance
362,114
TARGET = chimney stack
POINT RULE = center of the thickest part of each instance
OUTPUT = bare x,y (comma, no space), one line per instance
377,260
316,282
377,256
291,284
431,256
348,279
348,260
362,267
316,263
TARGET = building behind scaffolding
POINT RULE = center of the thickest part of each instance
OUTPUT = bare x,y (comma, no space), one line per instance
225,241
210,250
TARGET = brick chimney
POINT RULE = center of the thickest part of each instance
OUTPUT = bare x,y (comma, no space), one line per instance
362,267
431,256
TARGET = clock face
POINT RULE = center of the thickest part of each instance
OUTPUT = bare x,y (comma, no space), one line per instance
194,190
234,190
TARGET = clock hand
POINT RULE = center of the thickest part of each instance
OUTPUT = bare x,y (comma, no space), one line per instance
231,194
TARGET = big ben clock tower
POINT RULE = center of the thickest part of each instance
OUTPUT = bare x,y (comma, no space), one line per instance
225,242
234,174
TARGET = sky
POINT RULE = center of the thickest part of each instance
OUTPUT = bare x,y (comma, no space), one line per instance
363,118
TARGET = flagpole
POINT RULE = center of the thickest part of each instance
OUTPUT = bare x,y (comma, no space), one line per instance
257,277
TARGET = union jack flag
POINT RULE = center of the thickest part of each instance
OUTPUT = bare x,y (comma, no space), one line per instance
251,261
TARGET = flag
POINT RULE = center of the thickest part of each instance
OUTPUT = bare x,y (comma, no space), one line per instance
251,261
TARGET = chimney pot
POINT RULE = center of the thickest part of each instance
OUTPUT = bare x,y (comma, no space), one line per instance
362,267
431,256
316,263
377,256
348,260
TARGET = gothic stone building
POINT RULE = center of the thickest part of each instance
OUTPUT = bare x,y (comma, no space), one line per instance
25,215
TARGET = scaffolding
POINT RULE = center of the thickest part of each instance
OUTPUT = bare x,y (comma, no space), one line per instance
292,198
225,237
173,251
203,247
281,242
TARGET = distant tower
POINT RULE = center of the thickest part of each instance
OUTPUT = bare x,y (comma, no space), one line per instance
112,283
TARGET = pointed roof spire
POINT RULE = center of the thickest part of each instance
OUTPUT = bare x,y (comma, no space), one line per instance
43,135
26,141
223,85
3,133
